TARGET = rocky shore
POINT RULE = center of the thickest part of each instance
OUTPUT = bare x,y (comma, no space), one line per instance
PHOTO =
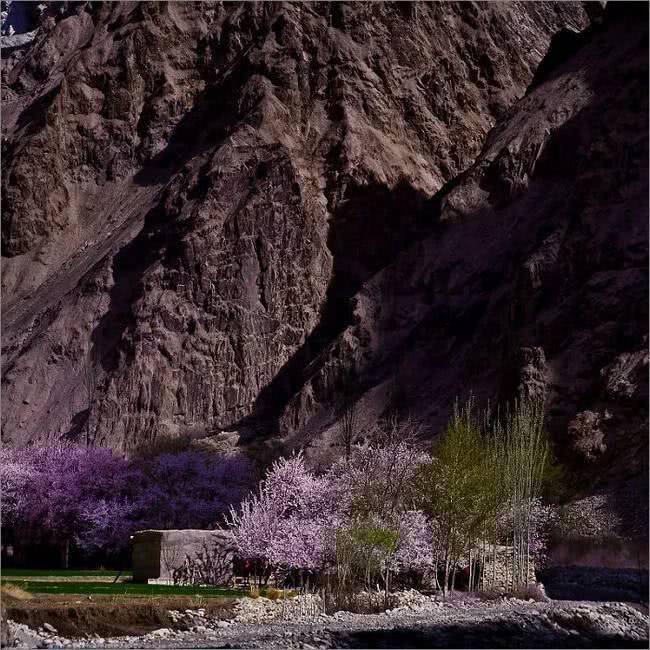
416,621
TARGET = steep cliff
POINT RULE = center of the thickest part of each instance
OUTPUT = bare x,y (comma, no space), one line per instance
194,194
530,272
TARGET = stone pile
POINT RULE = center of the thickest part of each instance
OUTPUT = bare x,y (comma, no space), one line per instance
613,620
195,620
298,609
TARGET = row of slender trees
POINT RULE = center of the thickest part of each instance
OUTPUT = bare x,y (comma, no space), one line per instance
482,488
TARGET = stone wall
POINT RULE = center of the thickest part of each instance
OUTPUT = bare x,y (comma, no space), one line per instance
498,575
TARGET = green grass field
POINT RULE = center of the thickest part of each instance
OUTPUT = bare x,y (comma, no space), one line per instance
28,573
121,589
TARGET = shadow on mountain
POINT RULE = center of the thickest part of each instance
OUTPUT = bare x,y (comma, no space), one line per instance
156,242
370,227
77,426
203,127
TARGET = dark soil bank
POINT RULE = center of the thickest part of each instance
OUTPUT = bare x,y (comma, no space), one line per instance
596,583
502,635
76,617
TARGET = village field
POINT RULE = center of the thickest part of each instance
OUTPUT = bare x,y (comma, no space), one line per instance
82,603
42,620
101,583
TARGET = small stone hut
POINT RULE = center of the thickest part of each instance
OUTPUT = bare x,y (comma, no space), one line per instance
183,556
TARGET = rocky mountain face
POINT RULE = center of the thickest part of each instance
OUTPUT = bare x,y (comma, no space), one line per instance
218,218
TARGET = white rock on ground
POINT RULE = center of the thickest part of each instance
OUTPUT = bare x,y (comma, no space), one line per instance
468,622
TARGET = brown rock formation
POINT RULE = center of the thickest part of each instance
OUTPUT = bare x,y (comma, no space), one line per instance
216,215
192,193
530,276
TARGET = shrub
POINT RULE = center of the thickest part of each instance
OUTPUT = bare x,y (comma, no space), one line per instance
587,436
365,550
273,593
532,591
11,592
592,517
210,566
491,594
163,444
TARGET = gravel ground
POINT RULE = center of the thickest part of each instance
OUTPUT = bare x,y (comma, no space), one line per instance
417,622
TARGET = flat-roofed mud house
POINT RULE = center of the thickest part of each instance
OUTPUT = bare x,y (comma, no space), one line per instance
183,556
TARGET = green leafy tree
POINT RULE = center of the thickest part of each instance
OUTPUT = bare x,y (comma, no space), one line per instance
454,491
524,459
481,487
365,552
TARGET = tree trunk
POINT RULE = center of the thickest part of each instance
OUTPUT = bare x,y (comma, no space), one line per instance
494,553
528,546
471,575
445,584
483,558
386,588
514,554
436,582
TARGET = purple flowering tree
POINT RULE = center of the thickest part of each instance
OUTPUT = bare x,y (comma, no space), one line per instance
91,498
189,489
414,552
16,471
380,479
56,492
294,519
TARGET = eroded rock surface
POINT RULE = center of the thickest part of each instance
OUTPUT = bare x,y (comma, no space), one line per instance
217,215
194,192
530,276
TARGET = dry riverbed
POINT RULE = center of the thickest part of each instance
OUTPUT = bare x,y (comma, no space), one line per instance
416,621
